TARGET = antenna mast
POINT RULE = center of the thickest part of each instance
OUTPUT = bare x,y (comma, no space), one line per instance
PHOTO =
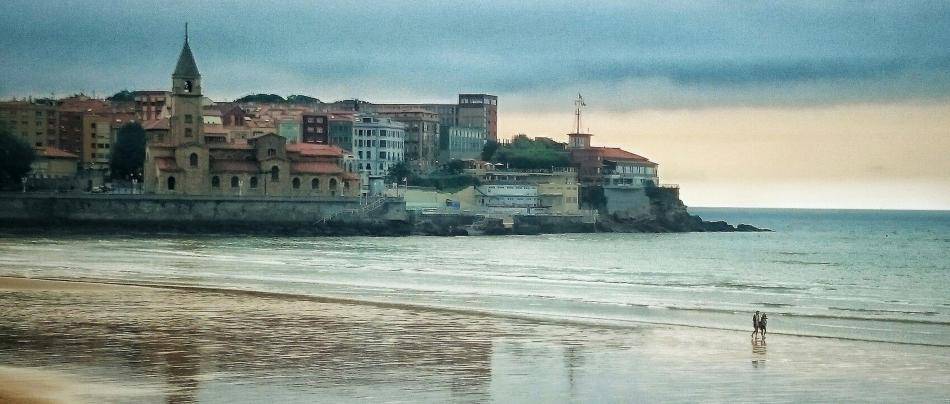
578,103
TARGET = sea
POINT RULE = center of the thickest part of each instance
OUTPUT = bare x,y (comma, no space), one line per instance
872,281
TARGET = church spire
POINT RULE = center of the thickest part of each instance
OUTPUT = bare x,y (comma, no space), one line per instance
186,67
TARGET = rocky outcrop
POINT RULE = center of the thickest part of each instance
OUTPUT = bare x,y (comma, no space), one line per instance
667,214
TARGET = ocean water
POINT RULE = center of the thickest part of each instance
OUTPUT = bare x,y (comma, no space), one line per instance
858,275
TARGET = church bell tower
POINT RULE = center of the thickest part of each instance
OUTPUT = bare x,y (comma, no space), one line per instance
186,120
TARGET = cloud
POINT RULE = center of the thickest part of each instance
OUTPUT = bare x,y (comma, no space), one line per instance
668,54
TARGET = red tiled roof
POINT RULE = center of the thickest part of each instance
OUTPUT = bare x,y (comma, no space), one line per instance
156,124
167,164
615,153
314,167
234,166
314,150
52,152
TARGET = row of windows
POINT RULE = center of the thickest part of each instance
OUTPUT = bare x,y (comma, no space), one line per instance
382,155
379,143
295,183
380,132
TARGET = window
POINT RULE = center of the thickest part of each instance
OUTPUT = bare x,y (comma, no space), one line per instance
332,184
271,152
234,182
253,182
188,119
215,182
360,153
275,174
382,143
296,183
170,183
382,155
315,183
193,160
187,132
382,132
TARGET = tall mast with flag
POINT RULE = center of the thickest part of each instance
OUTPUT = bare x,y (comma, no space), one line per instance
578,103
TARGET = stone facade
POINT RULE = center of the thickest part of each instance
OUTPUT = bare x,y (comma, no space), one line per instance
190,162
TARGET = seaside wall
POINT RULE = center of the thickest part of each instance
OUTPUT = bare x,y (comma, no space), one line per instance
144,210
627,202
537,224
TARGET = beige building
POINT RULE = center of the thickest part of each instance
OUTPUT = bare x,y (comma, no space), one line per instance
35,124
187,160
53,163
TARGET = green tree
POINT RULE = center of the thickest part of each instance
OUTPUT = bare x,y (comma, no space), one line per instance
525,153
454,167
398,172
301,99
488,151
128,154
262,98
122,96
15,159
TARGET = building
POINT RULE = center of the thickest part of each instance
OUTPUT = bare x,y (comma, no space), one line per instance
189,161
341,130
478,111
314,129
529,191
610,166
461,143
422,136
290,129
53,163
378,143
34,123
151,105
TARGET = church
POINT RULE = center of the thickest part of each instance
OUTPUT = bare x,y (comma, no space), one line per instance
184,161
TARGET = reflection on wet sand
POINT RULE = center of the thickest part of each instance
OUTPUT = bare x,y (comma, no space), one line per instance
184,338
758,352
132,344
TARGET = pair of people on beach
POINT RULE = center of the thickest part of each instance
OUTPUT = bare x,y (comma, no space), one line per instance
759,321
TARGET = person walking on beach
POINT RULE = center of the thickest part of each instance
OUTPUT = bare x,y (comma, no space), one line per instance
763,321
755,323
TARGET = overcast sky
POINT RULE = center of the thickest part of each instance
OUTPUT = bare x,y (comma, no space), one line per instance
743,103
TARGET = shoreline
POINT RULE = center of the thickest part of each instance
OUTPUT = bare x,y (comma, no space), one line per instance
15,283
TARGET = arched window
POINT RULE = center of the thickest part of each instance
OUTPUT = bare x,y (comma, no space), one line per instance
296,183
333,184
346,185
215,182
274,174
253,182
171,183
234,182
315,183
193,160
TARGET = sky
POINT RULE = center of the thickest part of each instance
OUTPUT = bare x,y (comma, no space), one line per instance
809,104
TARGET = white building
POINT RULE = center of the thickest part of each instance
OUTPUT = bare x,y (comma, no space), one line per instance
378,144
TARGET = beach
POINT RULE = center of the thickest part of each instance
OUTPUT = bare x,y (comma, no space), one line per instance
67,341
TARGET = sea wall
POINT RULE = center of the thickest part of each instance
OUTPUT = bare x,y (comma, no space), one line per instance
537,224
145,212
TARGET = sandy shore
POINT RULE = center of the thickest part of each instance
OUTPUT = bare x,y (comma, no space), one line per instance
67,342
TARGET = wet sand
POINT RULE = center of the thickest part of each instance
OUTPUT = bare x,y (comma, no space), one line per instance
89,342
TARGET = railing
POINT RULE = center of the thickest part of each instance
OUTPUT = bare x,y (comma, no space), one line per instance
367,208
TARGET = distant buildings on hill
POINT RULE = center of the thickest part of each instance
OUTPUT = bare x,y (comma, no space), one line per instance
304,147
